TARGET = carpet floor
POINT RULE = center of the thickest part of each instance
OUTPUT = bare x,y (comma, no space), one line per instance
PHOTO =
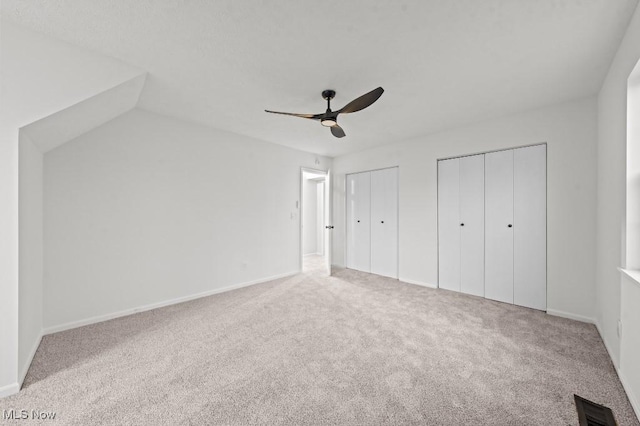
353,348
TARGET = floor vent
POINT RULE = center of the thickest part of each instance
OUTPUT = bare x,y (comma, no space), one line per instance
592,414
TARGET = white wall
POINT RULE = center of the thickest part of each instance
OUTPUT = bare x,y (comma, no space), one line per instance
40,76
30,254
570,132
310,217
35,139
618,297
629,367
629,370
146,209
632,227
612,115
60,127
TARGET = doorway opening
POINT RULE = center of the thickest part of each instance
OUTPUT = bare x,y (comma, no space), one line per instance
315,238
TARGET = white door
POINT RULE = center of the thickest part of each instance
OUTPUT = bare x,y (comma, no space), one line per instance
472,225
359,221
384,222
499,226
328,222
449,224
530,227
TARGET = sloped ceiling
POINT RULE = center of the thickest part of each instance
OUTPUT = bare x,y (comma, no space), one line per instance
41,76
443,63
69,123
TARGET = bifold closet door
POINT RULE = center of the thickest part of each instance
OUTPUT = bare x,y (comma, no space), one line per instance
449,224
472,225
499,226
530,227
359,221
384,222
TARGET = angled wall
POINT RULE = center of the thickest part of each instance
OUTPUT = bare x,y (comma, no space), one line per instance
35,139
69,123
40,76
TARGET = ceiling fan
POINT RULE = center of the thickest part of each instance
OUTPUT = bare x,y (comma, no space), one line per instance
330,118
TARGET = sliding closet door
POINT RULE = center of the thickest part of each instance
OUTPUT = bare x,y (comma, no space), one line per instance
358,221
499,226
449,224
472,225
384,222
530,227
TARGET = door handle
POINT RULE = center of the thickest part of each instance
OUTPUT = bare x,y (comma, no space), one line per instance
329,227
510,225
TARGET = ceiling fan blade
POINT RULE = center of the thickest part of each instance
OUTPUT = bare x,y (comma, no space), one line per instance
310,116
337,131
362,102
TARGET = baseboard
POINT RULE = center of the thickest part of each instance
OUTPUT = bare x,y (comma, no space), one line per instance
633,399
635,402
101,318
9,390
569,315
420,283
606,344
23,373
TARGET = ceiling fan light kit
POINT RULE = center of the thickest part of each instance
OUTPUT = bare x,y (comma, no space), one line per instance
328,122
330,118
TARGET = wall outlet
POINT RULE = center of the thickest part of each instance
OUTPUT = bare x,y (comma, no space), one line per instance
619,329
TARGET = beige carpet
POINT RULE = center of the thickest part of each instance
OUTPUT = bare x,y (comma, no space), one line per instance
351,349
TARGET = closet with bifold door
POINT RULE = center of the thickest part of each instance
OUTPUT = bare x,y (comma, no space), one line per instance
372,221
461,224
492,225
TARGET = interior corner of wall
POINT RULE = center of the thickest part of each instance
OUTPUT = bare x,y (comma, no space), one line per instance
140,81
24,137
8,390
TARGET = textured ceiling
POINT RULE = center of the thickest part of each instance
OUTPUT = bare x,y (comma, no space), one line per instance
442,63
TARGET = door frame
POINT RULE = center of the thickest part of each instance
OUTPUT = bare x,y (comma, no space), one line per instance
304,170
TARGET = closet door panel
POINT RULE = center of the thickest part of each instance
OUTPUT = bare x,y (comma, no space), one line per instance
498,234
350,190
384,222
358,221
472,225
449,224
530,227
